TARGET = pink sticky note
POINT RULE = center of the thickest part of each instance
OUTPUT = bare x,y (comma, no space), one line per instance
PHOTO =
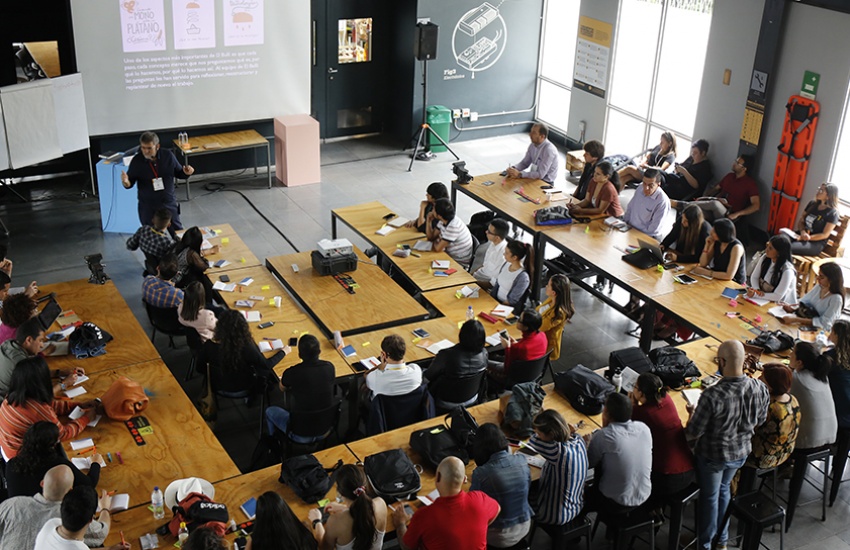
758,319
733,303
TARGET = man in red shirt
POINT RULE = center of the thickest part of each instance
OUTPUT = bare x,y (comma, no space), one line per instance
531,346
457,519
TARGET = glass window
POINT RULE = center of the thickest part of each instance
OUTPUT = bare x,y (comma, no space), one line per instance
554,105
355,40
560,26
634,57
624,134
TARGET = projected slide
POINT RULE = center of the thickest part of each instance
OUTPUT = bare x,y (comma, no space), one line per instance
194,24
142,25
243,22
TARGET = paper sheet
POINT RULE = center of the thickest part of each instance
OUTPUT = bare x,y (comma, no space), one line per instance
82,444
423,246
778,312
437,346
75,391
398,221
502,311
269,345
226,287
385,230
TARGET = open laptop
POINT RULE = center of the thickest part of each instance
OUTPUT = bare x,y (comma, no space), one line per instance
49,313
649,255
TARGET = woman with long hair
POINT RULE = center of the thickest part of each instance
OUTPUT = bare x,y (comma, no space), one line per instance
817,222
839,385
723,255
603,194
686,240
40,452
435,191
277,528
822,305
513,280
661,157
774,277
191,264
17,309
236,363
357,521
556,311
192,313
466,358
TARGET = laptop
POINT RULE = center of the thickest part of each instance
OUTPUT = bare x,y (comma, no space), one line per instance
49,314
648,256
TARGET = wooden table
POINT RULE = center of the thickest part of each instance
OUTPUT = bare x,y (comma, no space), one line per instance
182,444
46,54
501,198
228,141
232,492
103,306
377,303
231,248
366,219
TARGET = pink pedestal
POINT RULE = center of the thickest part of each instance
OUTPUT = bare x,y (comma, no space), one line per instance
296,146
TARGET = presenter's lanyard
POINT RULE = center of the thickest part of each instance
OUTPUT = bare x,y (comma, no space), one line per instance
153,169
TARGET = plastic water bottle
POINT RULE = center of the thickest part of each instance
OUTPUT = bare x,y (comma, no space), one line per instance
470,314
183,533
157,501
822,341
617,380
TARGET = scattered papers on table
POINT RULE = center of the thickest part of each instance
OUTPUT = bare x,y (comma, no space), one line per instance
226,287
269,345
84,463
246,281
423,246
385,230
401,253
75,391
440,264
206,245
245,303
778,312
502,310
251,316
81,444
435,347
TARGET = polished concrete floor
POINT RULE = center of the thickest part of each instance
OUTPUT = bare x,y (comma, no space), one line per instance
51,234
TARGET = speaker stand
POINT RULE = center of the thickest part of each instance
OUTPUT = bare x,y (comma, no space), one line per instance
425,130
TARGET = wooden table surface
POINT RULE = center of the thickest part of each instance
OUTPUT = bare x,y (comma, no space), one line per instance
454,308
182,444
231,248
232,492
501,197
378,301
226,140
104,306
46,54
289,320
366,219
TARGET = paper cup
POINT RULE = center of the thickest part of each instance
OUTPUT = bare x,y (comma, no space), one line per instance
277,301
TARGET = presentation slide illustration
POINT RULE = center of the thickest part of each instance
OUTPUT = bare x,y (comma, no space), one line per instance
142,25
243,22
479,38
194,24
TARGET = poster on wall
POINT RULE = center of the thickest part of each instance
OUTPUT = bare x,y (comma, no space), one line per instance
142,25
593,54
243,22
478,39
194,24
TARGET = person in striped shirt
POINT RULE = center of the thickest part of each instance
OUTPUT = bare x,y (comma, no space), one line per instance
561,495
451,234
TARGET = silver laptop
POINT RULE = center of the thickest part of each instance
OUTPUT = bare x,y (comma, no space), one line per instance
653,247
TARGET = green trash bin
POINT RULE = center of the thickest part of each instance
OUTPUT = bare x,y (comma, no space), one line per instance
440,119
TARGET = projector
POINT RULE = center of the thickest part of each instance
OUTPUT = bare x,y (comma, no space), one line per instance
336,247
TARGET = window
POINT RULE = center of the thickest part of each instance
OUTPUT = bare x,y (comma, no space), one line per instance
560,25
657,72
842,151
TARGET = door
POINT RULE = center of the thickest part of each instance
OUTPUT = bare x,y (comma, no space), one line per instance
350,54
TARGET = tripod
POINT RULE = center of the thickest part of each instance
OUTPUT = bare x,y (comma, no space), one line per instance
425,129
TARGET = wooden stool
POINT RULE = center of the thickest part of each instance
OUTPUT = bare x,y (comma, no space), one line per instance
677,503
755,511
801,464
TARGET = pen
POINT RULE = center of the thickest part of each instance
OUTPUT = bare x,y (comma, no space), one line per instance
109,456
122,537
120,460
415,254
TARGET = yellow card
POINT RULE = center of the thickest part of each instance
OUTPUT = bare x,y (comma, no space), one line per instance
147,430
271,302
416,339
265,287
242,260
225,240
217,231
459,324
586,230
660,268
366,344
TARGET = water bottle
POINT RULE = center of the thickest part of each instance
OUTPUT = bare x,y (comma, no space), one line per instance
470,314
822,341
157,502
617,380
186,140
183,533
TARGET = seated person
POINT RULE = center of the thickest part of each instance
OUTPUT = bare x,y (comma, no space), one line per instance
192,313
276,527
393,376
602,197
466,358
556,311
191,264
309,386
621,455
159,291
17,309
736,196
774,277
39,453
426,208
506,478
686,241
593,153
533,345
723,255
235,362
451,234
512,280
661,157
822,305
437,526
691,176
154,240
541,159
69,530
649,206
494,255
817,222
205,538
6,276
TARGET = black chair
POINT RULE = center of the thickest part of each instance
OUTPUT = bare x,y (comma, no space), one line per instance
313,424
458,389
390,412
677,503
801,464
243,395
151,264
527,371
164,320
755,511
838,463
193,340
577,528
626,527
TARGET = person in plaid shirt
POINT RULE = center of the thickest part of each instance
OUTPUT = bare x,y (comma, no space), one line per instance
722,425
159,291
155,241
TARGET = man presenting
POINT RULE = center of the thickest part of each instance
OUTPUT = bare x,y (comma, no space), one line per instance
541,159
154,170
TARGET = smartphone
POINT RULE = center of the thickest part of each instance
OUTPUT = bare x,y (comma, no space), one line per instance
293,341
421,333
503,173
408,510
512,321
504,334
389,216
224,278
405,247
685,279
671,265
547,187
267,324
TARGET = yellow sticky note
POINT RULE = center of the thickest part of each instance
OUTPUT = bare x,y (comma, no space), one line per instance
586,230
216,231
416,339
366,344
265,287
430,270
459,324
437,430
225,240
271,302
660,268
242,260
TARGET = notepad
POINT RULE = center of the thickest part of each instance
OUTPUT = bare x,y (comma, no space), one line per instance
61,334
206,245
503,311
84,463
225,287
401,253
385,230
246,281
269,345
756,301
221,263
120,502
778,312
691,396
245,303
398,221
251,316
249,508
429,499
441,345
789,233
82,444
440,264
370,362
732,293
494,339
75,391
77,413
423,246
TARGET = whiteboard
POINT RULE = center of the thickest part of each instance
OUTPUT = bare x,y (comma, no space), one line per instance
29,114
70,105
4,151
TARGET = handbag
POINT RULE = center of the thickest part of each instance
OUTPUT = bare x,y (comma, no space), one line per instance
772,341
124,399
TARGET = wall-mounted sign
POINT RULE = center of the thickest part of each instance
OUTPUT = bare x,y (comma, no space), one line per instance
809,89
593,54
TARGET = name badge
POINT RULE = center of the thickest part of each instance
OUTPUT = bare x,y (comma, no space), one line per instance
158,185
533,167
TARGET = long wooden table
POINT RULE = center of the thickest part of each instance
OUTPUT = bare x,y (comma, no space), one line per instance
365,219
103,306
231,248
377,303
182,445
225,142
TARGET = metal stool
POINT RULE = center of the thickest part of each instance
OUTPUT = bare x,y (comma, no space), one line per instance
577,528
627,526
677,503
755,511
799,475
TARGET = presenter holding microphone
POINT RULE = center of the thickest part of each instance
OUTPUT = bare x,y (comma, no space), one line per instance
154,170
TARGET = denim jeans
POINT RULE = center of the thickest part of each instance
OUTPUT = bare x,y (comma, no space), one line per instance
714,496
277,417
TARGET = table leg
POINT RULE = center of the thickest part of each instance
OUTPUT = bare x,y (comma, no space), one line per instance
333,225
255,162
539,247
269,162
646,326
186,163
353,407
454,195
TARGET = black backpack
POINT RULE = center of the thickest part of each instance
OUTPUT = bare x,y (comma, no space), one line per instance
307,478
584,389
478,224
462,427
88,340
436,443
392,475
672,366
634,358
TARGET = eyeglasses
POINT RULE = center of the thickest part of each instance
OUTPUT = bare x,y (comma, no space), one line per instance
487,231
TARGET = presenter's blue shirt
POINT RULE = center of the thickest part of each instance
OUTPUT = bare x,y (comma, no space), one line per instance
143,171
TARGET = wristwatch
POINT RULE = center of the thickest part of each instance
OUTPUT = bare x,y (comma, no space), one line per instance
62,385
316,522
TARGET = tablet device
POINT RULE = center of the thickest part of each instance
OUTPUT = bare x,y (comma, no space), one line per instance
49,314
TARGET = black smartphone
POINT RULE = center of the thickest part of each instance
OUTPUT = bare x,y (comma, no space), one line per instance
405,247
503,173
671,265
224,278
504,334
547,187
293,341
389,216
511,321
267,324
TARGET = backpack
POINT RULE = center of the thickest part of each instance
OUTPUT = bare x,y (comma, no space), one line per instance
553,215
478,224
88,340
198,510
463,427
525,403
634,358
673,366
584,389
436,443
307,477
392,475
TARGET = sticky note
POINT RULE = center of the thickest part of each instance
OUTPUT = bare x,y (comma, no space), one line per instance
225,240
459,324
416,339
758,319
733,303
436,430
242,260
271,302
660,268
322,503
587,229
366,344
217,231
265,287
